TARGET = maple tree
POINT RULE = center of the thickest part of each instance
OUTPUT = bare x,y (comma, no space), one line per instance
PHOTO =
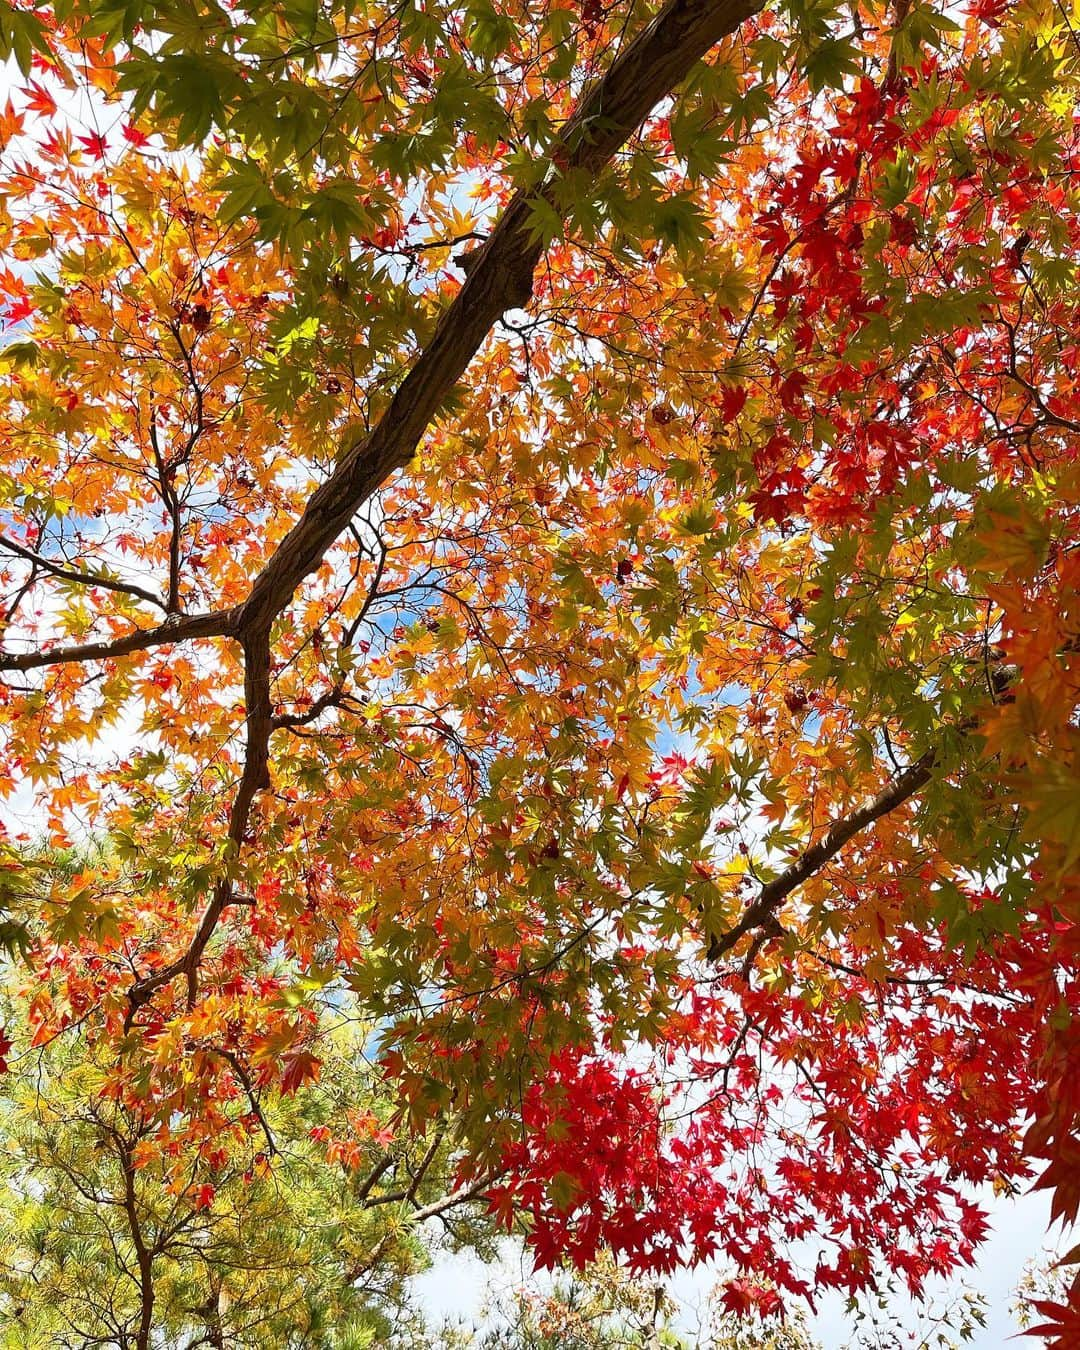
566,518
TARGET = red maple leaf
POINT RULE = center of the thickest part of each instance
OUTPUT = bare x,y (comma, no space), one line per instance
203,1196
298,1068
1061,1330
94,145
39,100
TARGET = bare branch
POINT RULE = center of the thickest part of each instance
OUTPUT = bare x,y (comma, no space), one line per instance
65,573
374,1177
458,1197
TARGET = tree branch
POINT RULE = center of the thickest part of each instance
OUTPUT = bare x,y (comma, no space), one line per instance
221,623
242,1074
762,913
500,278
463,1193
65,573
254,776
374,1177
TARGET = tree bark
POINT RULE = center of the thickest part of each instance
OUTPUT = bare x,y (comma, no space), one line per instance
500,278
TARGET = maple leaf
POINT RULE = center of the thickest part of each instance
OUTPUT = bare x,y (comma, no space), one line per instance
1062,1176
1061,1330
203,1196
95,144
299,1068
39,100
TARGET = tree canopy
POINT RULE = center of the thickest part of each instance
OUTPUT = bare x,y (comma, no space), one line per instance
545,534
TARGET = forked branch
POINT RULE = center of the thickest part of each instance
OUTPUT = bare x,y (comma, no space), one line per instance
501,278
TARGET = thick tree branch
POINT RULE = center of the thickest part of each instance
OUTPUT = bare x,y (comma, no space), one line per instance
500,278
408,1194
143,1255
222,623
254,776
374,1177
762,913
459,1197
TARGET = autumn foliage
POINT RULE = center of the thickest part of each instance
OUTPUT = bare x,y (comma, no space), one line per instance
552,532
